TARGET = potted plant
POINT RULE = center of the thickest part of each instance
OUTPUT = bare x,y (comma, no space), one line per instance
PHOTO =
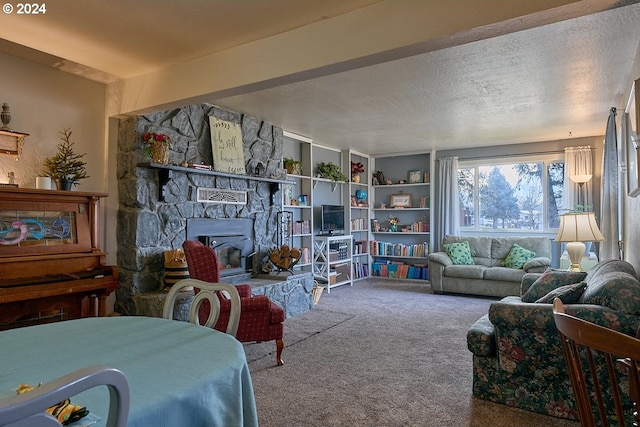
330,171
156,147
293,167
66,167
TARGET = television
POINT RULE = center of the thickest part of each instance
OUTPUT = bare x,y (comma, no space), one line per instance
332,219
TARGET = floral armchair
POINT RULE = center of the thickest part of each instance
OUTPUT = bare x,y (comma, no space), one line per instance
517,356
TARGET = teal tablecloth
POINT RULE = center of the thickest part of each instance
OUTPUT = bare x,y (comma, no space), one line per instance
179,374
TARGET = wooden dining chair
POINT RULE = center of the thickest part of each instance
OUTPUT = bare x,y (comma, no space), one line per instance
28,409
208,292
597,359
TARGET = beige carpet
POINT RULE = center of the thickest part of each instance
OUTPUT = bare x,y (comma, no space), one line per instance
380,353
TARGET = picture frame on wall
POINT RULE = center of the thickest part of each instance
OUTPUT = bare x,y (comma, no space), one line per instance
633,126
400,201
415,177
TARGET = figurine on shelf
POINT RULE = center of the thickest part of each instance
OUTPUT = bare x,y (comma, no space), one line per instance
12,178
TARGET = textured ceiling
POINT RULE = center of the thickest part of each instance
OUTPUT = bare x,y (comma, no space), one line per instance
548,82
552,82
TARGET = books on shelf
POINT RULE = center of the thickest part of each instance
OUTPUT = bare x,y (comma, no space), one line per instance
360,247
359,224
419,250
399,270
360,270
299,227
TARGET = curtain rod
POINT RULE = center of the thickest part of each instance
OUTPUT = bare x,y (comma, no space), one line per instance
499,156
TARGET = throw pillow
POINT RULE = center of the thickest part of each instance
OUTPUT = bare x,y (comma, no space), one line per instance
550,280
459,252
518,256
568,294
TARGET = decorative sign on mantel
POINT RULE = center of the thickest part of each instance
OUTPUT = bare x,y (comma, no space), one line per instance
226,145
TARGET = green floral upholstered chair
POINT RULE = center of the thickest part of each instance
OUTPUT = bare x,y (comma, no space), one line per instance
517,356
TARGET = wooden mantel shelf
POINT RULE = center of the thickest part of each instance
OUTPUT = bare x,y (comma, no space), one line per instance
165,171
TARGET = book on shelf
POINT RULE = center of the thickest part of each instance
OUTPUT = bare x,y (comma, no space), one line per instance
399,270
359,224
418,250
299,227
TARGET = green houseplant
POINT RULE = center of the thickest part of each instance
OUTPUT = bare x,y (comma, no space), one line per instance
66,167
293,167
330,171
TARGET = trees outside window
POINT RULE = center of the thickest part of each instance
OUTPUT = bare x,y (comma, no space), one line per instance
524,196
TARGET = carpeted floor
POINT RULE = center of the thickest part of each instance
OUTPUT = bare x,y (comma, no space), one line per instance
380,353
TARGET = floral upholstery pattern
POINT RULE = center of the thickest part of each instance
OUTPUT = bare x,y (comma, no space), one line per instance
517,356
568,294
550,280
517,256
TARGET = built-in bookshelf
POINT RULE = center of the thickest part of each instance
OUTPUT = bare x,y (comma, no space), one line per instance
401,216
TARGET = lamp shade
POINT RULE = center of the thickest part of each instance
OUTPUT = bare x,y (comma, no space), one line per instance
578,227
580,179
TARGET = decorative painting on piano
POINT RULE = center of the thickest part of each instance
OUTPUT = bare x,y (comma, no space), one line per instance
44,228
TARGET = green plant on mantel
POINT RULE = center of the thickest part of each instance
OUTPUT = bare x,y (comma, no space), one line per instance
65,164
330,171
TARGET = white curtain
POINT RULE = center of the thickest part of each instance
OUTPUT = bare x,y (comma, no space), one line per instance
577,161
609,206
448,201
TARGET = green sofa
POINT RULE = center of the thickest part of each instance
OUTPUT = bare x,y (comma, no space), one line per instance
517,356
486,276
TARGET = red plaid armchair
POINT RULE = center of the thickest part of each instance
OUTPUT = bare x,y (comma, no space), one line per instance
260,318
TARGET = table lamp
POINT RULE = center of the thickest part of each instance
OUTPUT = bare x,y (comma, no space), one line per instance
577,228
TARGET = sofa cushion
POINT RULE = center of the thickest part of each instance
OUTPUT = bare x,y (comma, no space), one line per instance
503,274
480,247
518,256
568,294
466,271
459,252
617,290
550,280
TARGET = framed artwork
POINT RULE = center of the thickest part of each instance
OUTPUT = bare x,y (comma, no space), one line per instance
633,122
415,177
400,201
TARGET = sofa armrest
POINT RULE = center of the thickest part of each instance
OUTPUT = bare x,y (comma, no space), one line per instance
440,258
537,265
526,334
437,263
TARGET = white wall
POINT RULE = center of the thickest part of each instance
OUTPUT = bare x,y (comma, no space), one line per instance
44,101
631,218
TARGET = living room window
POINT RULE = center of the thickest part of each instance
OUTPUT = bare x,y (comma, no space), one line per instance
507,196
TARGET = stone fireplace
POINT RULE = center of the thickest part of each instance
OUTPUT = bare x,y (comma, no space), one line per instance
159,208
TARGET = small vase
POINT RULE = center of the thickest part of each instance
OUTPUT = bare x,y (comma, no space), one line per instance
393,228
355,178
160,153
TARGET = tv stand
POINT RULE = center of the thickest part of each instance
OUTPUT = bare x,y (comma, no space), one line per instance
332,259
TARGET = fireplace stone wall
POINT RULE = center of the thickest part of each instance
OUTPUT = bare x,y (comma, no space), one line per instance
149,224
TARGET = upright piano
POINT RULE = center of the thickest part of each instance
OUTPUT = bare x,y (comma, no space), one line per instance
51,265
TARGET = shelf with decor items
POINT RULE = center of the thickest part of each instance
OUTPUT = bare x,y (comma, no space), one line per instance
401,216
333,260
356,197
297,197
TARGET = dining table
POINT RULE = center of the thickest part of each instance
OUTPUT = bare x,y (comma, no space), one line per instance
180,374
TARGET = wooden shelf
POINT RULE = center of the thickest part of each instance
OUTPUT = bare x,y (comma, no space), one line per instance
165,171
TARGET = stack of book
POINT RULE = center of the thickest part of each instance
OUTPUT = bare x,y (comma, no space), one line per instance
399,270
